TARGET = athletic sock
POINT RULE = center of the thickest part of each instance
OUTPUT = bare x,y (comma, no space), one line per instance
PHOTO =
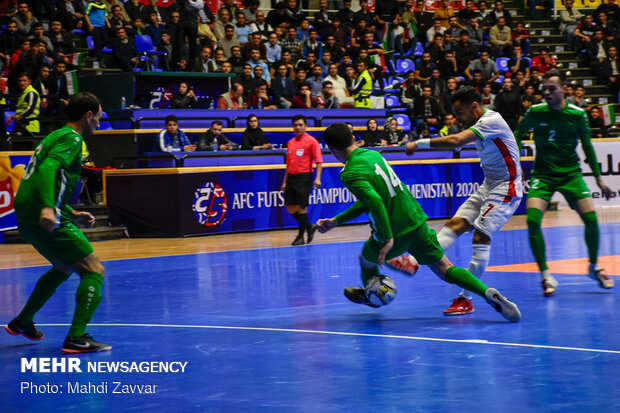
537,241
368,268
446,237
43,291
477,265
592,235
466,280
303,222
87,299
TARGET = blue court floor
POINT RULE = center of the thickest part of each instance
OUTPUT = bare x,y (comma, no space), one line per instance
269,330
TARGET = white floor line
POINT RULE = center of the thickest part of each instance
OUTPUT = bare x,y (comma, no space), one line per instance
342,333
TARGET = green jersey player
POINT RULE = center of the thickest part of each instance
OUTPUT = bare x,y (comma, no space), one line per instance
398,222
45,220
557,127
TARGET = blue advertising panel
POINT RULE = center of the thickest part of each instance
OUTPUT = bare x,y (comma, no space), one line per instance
12,167
196,201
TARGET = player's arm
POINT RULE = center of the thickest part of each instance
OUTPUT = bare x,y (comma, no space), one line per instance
450,141
349,214
523,128
586,144
319,171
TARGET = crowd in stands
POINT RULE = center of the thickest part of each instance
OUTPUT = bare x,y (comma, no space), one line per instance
284,58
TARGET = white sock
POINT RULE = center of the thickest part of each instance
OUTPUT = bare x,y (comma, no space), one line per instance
446,237
479,261
545,274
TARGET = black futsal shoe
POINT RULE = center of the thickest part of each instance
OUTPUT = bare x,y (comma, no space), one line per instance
84,344
299,240
358,296
16,328
311,230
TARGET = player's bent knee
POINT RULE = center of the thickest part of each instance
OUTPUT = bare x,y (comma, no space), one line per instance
89,264
481,238
441,267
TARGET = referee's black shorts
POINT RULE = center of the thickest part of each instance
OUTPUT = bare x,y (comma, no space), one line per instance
298,189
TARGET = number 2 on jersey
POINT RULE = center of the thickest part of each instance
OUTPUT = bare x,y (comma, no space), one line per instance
391,182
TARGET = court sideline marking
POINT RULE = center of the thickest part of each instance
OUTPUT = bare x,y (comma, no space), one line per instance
343,333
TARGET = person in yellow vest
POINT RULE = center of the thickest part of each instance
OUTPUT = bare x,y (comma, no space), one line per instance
27,109
362,88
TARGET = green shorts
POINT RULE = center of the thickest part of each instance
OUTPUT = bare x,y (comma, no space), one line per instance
421,243
571,186
66,244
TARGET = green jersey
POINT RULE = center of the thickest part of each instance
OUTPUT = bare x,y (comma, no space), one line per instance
391,208
556,133
51,178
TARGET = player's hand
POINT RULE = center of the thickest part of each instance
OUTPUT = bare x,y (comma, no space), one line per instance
410,148
325,224
604,188
83,218
386,248
47,219
317,183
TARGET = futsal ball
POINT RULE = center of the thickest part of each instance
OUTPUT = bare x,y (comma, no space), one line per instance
381,290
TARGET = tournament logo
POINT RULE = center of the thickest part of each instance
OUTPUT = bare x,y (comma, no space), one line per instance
160,97
210,204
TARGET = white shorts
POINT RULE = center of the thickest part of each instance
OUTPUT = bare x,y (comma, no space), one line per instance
487,210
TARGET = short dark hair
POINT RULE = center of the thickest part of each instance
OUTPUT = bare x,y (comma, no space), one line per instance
217,122
80,104
172,118
554,73
466,96
299,117
338,136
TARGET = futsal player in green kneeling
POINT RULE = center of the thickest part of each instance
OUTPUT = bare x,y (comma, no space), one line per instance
45,220
557,126
397,220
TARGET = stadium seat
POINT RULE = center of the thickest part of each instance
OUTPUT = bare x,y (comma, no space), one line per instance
104,122
404,121
91,45
419,50
10,126
145,47
393,104
404,65
502,64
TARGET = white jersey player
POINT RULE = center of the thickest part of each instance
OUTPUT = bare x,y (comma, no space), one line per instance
497,198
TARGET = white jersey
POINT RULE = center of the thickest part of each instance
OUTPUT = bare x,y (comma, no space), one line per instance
498,152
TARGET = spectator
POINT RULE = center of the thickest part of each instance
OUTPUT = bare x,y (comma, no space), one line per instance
570,19
362,89
313,44
219,27
70,13
372,136
219,60
185,98
339,85
59,88
62,43
27,108
172,59
253,136
42,85
300,78
427,108
521,37
304,99
294,15
24,18
229,41
436,48
391,136
277,17
596,52
449,126
535,81
232,100
327,98
485,16
10,40
213,139
247,80
283,88
125,52
500,37
236,59
98,25
446,98
487,67
173,139
255,43
261,26
437,28
543,62
437,84
243,30
610,70
466,14
260,99
260,76
303,33
324,62
422,18
340,34
500,12
155,27
488,98
610,8
117,21
579,99
597,124
134,9
508,104
584,32
518,63
322,19
526,103
444,13
231,7
475,31
609,27
400,39
316,81
409,91
454,29
251,11
346,15
273,49
465,52
38,34
424,68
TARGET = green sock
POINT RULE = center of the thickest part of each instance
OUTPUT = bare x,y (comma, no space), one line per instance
537,241
87,299
592,235
368,273
43,291
466,280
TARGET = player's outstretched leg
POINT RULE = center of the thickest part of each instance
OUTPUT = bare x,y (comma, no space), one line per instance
45,288
592,240
465,279
479,260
